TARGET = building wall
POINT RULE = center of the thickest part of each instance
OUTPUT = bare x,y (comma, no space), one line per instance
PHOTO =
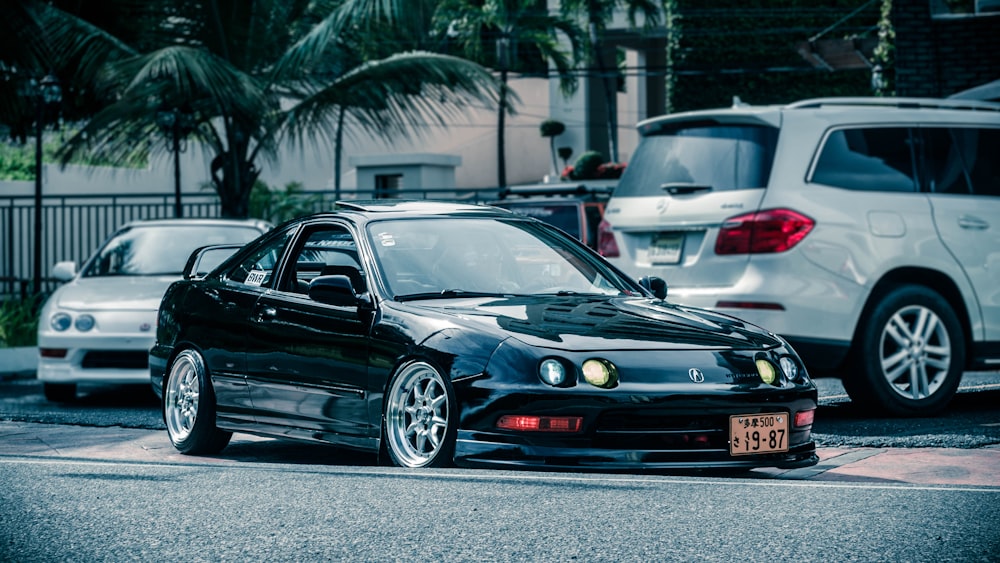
939,54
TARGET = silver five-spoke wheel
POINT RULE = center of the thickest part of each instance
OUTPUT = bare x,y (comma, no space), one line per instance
909,353
915,352
419,417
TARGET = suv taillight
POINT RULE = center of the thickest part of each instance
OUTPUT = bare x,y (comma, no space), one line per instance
606,244
771,230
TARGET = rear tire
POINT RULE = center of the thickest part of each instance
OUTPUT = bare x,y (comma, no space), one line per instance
189,407
60,392
909,354
420,418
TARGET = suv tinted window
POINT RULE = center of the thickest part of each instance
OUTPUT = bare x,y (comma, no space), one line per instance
724,157
962,160
869,159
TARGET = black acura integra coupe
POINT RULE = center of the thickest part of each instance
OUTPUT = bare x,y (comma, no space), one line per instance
436,334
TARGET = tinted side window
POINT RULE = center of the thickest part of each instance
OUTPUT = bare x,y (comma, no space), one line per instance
984,169
869,159
724,157
946,152
257,269
962,160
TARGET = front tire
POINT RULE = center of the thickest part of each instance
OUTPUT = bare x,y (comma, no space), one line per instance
189,407
909,354
420,418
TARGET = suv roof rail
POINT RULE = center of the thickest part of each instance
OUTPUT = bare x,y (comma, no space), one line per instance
554,189
904,103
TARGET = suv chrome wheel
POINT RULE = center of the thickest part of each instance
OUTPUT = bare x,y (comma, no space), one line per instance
909,354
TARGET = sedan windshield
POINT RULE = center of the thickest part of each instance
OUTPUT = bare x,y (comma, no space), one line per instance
160,249
468,257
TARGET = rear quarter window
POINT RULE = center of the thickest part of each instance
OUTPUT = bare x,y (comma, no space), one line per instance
876,159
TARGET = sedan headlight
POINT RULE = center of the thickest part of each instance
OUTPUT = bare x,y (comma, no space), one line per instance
84,323
790,368
600,373
60,322
552,372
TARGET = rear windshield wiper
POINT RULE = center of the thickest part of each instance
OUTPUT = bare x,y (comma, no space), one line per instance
678,188
445,294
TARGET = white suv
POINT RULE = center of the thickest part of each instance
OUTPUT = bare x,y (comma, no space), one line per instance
866,231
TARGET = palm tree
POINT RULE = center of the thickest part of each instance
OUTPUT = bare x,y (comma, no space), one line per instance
510,35
257,73
597,14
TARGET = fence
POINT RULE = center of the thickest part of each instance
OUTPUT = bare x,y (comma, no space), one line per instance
74,226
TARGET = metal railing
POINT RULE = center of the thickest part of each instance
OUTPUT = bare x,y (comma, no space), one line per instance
74,226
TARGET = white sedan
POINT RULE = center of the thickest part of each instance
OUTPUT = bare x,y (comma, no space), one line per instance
99,326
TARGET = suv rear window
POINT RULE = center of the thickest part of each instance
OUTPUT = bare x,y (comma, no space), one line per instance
724,157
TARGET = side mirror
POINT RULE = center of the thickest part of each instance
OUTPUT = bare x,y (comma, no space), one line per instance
333,290
656,286
64,271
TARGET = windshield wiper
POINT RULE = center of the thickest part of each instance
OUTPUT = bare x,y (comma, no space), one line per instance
446,294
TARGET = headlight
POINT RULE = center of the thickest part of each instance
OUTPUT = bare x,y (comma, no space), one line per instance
552,372
600,373
790,368
767,372
84,323
60,322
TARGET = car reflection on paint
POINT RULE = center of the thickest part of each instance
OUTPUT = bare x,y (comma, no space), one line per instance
439,334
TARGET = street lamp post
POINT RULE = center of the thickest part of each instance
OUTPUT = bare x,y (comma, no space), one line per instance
45,93
177,124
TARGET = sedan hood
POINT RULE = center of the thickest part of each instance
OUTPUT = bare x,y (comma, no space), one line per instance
595,323
119,293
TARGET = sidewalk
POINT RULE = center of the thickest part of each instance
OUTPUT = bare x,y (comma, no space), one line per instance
913,466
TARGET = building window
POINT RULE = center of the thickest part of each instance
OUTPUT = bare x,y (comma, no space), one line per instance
388,185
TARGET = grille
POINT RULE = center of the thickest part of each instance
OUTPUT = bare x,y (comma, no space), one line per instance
643,431
116,359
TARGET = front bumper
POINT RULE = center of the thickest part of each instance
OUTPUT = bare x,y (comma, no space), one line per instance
478,451
95,360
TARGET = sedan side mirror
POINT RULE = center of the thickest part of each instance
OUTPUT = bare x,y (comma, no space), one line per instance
333,290
656,286
64,271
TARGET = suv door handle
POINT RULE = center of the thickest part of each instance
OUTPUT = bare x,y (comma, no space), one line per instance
970,222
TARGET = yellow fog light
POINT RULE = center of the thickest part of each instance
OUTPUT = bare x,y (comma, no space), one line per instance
766,371
600,373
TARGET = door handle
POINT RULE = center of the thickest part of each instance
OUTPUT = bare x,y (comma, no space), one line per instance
267,313
970,222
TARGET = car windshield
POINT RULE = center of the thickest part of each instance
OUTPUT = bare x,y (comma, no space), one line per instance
566,216
458,257
147,250
721,157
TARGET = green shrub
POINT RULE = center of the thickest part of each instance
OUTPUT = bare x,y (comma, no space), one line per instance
19,322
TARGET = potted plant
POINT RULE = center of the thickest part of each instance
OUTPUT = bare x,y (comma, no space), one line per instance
551,128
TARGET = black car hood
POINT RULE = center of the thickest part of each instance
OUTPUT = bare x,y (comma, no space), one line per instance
594,323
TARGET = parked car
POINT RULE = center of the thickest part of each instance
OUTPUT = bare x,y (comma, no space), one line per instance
437,333
574,208
863,230
99,326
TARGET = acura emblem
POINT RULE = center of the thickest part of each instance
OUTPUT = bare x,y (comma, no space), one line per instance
696,375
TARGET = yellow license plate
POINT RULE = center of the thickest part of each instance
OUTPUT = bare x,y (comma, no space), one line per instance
763,433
